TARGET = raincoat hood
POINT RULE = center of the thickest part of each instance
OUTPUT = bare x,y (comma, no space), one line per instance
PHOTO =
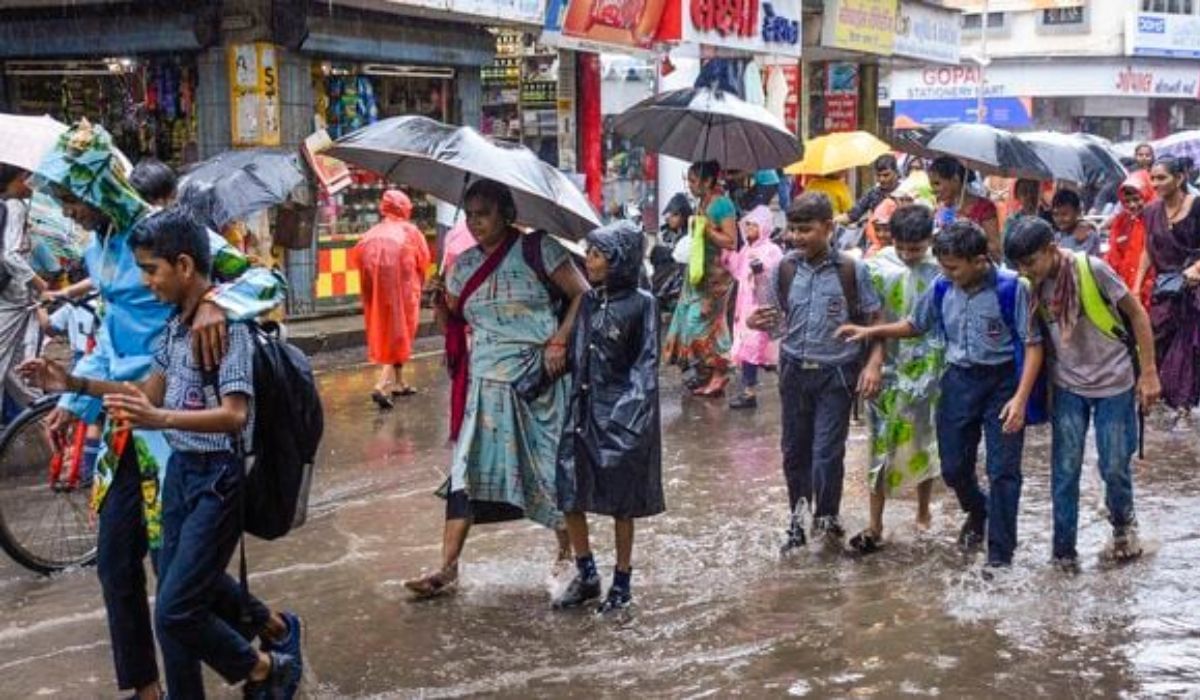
396,205
1139,181
621,244
85,163
762,217
679,205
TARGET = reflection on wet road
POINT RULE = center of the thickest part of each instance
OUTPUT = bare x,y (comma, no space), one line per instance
716,614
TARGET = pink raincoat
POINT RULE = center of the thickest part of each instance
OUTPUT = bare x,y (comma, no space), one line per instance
750,346
393,258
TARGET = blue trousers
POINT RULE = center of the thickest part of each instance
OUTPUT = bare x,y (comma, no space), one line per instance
1116,441
815,404
198,613
121,548
971,401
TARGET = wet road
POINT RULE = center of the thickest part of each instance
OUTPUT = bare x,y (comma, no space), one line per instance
717,613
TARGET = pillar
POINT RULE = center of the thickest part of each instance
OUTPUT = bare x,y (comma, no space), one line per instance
591,127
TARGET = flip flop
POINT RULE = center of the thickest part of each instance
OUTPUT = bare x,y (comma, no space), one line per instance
431,585
405,391
865,542
382,401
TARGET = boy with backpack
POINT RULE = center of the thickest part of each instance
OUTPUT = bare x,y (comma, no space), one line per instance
1102,367
201,610
993,356
813,291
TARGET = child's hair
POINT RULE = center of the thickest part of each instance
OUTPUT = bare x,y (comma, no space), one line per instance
173,232
1027,237
1066,198
810,207
949,168
153,179
961,239
887,161
8,173
706,170
912,223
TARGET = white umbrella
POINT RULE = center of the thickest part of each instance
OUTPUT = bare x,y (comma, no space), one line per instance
25,140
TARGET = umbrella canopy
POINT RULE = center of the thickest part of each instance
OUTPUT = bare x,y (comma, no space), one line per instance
832,153
235,184
441,160
1184,144
698,124
981,147
1075,158
25,140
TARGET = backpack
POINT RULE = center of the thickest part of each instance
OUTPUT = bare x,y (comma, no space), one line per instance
531,252
847,276
1099,310
1037,411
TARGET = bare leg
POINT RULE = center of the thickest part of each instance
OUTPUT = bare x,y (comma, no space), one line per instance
454,536
577,528
876,523
387,377
150,692
624,532
924,495
399,373
565,539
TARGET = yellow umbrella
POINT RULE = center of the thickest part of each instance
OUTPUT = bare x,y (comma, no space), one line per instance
832,153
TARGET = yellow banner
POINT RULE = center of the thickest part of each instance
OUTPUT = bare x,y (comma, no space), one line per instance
254,95
866,26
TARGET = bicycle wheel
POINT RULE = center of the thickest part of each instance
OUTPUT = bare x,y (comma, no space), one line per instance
44,529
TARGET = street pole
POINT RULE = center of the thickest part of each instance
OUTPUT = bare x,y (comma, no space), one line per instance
980,106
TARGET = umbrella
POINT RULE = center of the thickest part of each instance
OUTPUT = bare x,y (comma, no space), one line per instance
698,124
25,141
981,147
235,184
441,160
1184,144
1075,158
832,153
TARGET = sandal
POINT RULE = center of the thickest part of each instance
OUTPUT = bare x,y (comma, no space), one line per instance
432,585
405,390
382,401
866,542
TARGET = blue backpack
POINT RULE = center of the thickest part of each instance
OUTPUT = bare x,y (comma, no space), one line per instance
1037,411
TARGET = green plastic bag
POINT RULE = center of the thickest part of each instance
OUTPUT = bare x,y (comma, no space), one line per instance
699,239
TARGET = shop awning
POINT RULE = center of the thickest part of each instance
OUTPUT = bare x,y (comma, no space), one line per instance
118,35
424,44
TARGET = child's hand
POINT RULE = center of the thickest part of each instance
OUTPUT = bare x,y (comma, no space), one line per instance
555,356
1149,389
763,319
870,380
47,374
1013,416
135,409
853,334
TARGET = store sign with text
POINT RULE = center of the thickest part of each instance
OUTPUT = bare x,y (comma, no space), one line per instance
254,95
1059,78
603,25
753,26
1167,36
866,26
841,97
928,33
518,11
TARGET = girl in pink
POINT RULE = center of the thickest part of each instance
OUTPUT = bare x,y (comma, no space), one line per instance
751,266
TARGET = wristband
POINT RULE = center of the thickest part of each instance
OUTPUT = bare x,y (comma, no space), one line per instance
556,344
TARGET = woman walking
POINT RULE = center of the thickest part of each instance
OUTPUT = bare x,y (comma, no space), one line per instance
393,258
19,284
509,395
949,179
698,338
1173,226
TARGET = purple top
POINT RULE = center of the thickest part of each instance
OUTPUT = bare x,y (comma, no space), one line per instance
1173,246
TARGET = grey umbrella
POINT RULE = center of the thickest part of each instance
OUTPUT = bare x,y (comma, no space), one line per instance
1076,158
697,124
235,184
442,160
981,147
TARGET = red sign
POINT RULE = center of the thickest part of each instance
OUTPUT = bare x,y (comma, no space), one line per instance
725,17
841,112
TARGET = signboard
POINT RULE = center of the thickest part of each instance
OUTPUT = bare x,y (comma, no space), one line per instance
928,33
1004,112
254,95
841,97
1057,78
1168,36
866,26
622,23
753,26
517,11
1010,5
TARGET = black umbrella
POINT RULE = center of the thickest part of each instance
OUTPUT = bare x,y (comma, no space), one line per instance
1074,158
697,124
981,147
235,184
441,159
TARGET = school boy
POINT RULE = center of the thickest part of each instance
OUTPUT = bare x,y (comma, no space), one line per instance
1074,233
1103,364
198,605
982,313
815,291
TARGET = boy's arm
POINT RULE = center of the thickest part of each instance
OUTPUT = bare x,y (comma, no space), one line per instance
905,328
137,409
870,380
1013,413
1148,386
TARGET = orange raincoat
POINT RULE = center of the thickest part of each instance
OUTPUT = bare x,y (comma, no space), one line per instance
393,259
1127,237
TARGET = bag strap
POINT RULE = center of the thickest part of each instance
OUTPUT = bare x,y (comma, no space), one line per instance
531,251
783,282
940,287
848,278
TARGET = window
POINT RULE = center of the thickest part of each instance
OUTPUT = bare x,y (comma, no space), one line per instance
1062,16
972,22
1170,7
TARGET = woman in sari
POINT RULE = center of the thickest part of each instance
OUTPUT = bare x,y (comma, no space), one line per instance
1173,250
1127,234
698,338
22,288
949,179
509,394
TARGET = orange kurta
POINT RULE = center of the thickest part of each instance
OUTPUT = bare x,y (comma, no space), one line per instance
393,258
1127,237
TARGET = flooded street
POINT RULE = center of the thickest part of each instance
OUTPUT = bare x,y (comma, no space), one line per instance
716,612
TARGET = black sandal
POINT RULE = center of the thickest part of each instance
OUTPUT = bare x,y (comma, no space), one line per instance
382,401
866,542
405,390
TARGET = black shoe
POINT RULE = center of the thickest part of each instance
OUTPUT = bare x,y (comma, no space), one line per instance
1066,565
794,538
382,401
618,599
579,592
291,645
829,527
994,570
284,675
970,537
743,401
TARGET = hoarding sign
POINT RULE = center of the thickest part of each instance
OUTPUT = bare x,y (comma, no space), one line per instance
928,33
866,26
1168,36
254,95
1058,78
753,26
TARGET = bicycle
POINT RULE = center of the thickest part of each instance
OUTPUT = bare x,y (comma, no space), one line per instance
46,522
